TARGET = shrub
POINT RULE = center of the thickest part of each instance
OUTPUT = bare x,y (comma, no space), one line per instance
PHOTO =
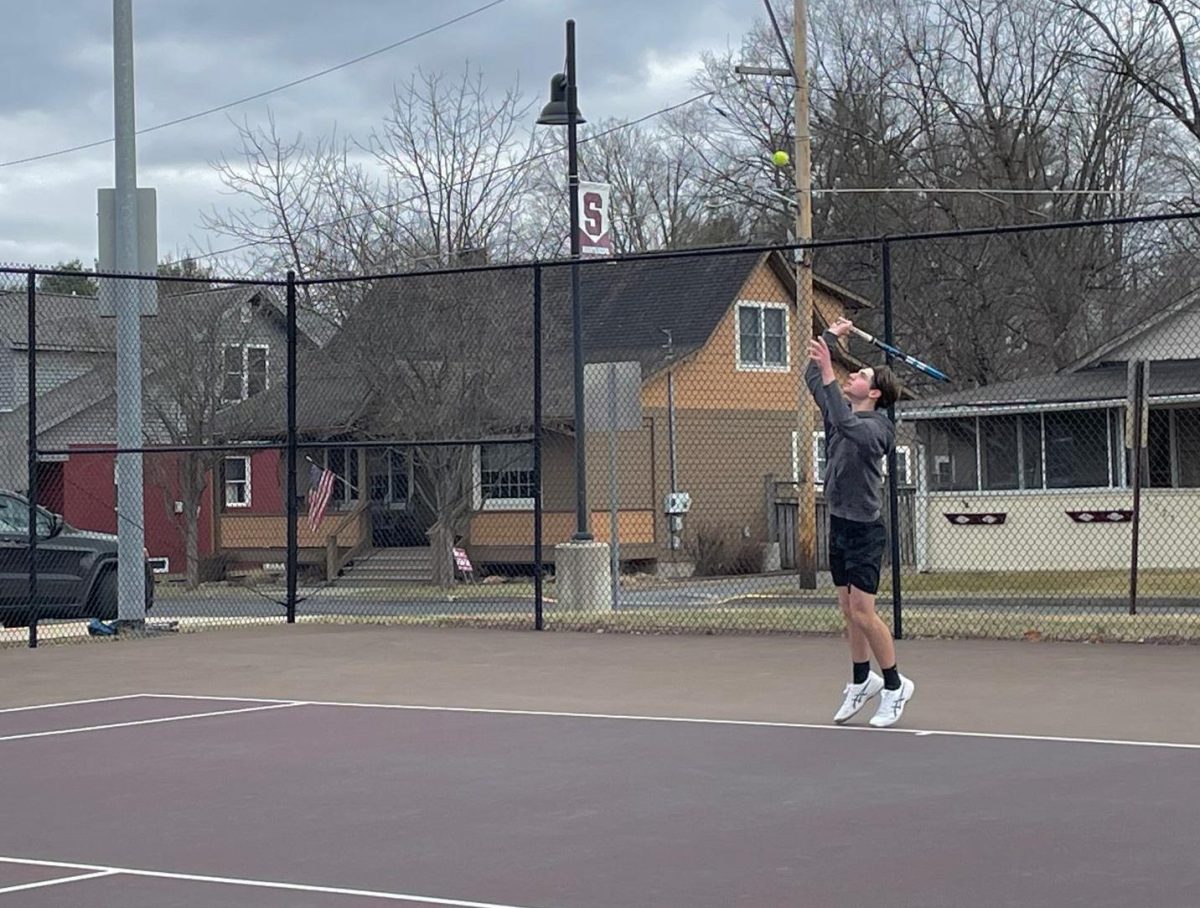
722,551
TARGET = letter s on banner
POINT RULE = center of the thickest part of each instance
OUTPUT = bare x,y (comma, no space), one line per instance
595,226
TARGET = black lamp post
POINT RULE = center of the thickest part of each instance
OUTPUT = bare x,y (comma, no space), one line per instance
563,110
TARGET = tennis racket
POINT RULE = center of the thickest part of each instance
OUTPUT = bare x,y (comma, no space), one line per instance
900,354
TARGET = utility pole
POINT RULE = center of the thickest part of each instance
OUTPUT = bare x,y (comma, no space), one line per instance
806,523
806,518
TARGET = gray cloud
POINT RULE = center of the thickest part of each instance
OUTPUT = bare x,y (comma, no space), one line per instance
57,71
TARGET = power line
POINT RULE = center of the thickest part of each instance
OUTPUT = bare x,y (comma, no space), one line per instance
262,94
982,190
499,170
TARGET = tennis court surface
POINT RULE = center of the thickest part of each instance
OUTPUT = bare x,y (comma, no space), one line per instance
502,769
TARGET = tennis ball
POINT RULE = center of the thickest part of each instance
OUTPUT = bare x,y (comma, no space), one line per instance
781,158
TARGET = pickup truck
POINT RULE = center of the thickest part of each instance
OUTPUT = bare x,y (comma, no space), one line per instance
76,569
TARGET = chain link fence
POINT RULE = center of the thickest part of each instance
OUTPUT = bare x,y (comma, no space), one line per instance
1057,487
402,449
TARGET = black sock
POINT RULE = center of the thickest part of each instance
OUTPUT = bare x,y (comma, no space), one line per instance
861,670
891,678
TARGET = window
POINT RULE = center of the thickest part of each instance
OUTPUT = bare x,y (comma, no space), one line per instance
389,471
903,465
1187,447
762,336
14,518
243,372
344,464
818,450
1076,449
236,472
231,375
1060,450
1001,452
256,370
1030,440
1172,449
1011,452
952,446
506,475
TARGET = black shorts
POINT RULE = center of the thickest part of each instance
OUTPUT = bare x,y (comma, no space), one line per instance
855,552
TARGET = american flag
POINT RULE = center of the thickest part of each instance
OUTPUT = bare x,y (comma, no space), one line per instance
320,489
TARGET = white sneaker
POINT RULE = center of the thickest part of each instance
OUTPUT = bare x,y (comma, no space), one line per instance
857,696
892,703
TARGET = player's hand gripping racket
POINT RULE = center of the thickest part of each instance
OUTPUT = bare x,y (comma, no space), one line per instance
900,354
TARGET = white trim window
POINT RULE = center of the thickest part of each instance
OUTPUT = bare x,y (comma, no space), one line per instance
235,473
761,336
903,460
818,454
505,477
244,371
903,464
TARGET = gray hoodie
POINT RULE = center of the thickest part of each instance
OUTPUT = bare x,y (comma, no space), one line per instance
855,445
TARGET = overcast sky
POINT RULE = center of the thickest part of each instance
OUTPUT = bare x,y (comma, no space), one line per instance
634,56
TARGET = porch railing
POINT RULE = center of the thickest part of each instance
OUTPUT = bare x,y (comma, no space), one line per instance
338,556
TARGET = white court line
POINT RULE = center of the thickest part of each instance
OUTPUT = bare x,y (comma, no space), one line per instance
74,731
21,709
752,723
261,884
59,881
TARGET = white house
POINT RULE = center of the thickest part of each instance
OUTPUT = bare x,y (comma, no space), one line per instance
1034,474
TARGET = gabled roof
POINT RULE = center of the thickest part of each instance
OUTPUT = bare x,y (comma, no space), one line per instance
627,304
63,322
1099,386
1097,355
1093,379
75,323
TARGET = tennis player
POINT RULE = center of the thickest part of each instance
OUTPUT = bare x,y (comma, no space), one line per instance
858,435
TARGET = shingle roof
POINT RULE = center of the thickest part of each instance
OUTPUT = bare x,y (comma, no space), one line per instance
76,323
1095,385
1096,355
626,305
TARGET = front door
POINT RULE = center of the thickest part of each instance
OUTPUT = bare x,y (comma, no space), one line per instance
392,507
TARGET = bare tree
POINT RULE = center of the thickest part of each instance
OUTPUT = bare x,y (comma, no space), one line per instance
658,197
454,160
443,181
1153,46
186,387
935,118
443,358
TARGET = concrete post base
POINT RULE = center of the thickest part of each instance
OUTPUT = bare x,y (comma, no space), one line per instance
583,576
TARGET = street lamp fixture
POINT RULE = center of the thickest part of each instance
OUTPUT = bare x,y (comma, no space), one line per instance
563,110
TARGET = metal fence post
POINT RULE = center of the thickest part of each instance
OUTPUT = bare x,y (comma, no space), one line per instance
537,448
292,508
32,475
885,250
